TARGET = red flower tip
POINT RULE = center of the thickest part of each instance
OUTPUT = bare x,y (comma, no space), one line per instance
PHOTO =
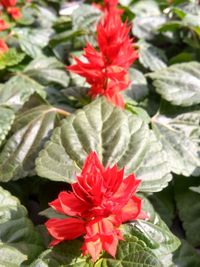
106,69
3,47
3,25
14,12
8,3
100,201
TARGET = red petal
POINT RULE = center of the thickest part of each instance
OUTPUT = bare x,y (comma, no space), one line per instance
131,210
71,205
65,229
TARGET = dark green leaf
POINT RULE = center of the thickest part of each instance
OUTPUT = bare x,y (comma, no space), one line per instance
17,159
188,204
66,254
18,90
6,120
17,231
163,203
186,256
47,71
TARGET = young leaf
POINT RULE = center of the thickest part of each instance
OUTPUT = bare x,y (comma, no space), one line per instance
10,58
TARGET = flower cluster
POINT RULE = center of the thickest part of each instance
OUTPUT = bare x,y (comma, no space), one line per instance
106,69
100,201
10,7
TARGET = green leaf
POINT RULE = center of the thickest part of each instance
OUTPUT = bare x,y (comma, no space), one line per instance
154,170
195,189
10,58
138,88
32,41
186,256
65,36
18,90
179,83
85,17
163,203
146,27
117,136
10,256
151,57
65,254
146,8
178,130
132,252
17,159
46,16
6,120
132,107
154,232
47,71
188,205
17,231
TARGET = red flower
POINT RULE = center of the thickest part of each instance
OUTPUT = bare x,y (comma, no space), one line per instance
8,3
3,47
100,201
106,70
3,25
14,12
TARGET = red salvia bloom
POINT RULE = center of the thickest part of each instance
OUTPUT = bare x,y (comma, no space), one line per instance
3,47
100,201
3,25
106,70
8,3
14,12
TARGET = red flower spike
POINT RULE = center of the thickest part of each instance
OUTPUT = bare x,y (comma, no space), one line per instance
3,47
8,3
14,12
106,70
3,25
100,201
